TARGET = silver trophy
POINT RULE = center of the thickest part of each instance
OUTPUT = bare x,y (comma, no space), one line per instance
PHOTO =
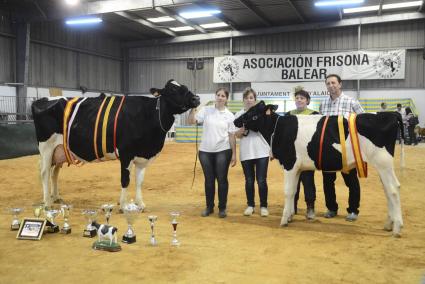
107,209
65,210
51,214
38,209
131,210
174,223
90,231
152,219
15,222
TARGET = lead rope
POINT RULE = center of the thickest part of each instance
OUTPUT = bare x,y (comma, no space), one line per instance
272,137
158,107
196,156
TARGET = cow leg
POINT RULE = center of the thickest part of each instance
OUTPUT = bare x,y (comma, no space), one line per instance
126,165
140,176
392,190
290,188
388,226
55,191
46,154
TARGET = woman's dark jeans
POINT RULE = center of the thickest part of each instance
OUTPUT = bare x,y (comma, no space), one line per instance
307,179
260,172
216,166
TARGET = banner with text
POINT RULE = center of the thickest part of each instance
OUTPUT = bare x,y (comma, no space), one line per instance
281,90
353,65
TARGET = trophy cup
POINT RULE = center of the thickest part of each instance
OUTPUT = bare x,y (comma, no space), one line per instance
65,209
107,209
51,214
130,211
174,222
152,219
90,231
38,209
15,222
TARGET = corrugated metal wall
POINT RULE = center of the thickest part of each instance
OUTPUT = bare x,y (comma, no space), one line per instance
65,58
146,72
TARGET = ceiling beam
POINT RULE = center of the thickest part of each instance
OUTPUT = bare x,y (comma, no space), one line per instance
165,11
380,7
283,29
256,12
420,9
146,23
296,11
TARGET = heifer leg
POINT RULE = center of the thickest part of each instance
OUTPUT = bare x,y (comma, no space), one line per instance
290,187
126,165
392,190
55,192
46,154
140,176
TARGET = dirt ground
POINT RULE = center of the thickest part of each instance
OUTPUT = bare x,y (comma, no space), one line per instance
236,249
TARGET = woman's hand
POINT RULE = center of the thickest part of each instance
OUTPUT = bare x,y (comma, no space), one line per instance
233,160
240,132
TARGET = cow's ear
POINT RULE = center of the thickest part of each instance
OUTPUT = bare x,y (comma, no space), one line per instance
155,91
272,108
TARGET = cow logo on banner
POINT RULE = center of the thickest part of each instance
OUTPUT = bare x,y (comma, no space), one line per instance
228,69
387,64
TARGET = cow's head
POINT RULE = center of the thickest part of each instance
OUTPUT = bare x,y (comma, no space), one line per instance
177,96
253,119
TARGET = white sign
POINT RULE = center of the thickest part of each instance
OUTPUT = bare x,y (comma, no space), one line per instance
353,65
286,90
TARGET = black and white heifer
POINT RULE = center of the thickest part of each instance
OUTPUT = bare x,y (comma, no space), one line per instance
296,143
141,127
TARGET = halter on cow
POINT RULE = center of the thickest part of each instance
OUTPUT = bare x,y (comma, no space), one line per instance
135,134
296,142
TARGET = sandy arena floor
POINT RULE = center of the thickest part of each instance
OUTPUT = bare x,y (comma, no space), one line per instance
236,249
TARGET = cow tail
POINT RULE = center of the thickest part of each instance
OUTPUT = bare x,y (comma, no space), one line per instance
401,127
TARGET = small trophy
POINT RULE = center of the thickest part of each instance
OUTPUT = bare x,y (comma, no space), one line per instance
130,211
38,209
65,210
51,214
15,222
152,219
90,231
107,209
174,223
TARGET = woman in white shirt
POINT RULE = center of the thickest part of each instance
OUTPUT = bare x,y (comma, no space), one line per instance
254,156
217,150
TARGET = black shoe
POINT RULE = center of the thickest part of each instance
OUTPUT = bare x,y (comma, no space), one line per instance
222,213
207,212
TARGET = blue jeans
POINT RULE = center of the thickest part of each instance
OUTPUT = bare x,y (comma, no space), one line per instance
216,167
260,172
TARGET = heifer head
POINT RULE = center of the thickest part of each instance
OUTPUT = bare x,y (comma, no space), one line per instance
254,118
177,96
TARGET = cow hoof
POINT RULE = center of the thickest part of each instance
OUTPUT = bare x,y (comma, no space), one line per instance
58,201
284,224
397,235
120,211
388,227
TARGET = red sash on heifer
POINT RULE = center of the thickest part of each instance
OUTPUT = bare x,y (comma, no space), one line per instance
81,127
313,142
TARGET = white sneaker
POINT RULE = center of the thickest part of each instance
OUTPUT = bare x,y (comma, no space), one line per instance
248,211
264,212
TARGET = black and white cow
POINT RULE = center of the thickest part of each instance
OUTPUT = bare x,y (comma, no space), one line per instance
106,232
296,143
141,128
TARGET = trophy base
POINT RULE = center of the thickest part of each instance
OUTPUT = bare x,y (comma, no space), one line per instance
89,233
128,240
15,227
52,229
66,231
106,246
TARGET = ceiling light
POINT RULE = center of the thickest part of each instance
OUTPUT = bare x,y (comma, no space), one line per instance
83,21
361,9
337,3
161,19
401,5
214,25
181,29
72,2
199,14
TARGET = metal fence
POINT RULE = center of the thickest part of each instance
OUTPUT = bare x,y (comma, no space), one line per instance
15,110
